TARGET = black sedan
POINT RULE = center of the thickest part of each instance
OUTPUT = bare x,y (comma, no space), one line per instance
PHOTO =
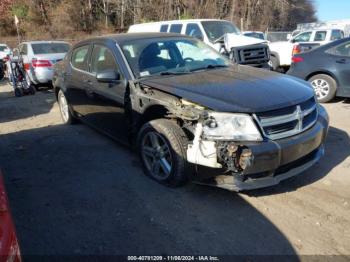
327,68
190,112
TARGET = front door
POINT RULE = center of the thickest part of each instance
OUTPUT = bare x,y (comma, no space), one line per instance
106,100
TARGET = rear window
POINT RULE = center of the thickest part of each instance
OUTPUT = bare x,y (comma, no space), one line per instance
164,28
3,48
336,35
50,48
320,36
176,28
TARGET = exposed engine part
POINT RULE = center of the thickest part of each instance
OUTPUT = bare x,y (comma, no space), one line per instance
202,152
235,158
245,159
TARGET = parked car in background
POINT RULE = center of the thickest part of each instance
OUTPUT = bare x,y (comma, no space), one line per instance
255,34
282,52
5,51
222,35
327,68
9,248
39,57
191,112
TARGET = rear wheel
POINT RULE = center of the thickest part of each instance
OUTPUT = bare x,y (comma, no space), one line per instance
274,63
162,146
325,87
64,108
18,92
31,90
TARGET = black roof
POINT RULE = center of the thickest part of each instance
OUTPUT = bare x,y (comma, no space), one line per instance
120,38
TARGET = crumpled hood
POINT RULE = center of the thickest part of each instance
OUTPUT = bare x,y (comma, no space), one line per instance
233,40
236,89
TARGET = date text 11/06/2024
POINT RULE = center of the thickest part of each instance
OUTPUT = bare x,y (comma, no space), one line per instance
173,258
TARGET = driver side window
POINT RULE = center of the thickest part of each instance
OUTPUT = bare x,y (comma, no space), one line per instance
102,59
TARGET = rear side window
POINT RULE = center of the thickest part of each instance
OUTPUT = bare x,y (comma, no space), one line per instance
194,31
176,28
342,50
336,35
80,58
164,28
304,37
320,36
50,48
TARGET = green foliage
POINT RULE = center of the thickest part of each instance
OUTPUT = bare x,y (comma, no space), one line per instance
185,16
20,10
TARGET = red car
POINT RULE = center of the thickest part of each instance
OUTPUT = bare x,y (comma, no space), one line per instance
9,248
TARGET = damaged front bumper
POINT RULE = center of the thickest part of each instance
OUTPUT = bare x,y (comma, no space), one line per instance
270,161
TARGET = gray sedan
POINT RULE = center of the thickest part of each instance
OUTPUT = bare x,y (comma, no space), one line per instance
327,68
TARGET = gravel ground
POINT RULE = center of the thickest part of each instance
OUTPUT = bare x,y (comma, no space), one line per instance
74,191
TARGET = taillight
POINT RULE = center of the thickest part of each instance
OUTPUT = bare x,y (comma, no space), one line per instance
297,59
41,63
6,58
296,50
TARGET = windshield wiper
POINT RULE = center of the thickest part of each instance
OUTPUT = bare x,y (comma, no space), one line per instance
209,67
167,73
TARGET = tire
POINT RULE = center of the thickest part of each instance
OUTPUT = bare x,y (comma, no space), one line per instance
325,87
18,92
274,63
32,90
164,160
65,110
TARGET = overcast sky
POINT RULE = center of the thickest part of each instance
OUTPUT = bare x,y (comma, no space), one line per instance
332,9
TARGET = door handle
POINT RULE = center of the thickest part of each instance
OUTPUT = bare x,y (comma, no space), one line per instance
341,61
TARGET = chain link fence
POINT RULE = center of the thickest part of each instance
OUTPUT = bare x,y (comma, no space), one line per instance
277,36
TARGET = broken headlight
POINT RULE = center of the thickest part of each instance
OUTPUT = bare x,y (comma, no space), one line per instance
233,127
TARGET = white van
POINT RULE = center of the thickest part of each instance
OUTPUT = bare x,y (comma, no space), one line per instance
222,35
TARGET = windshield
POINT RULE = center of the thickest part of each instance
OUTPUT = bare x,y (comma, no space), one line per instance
255,35
170,56
50,48
216,29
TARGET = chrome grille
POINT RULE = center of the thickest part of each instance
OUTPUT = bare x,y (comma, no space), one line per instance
253,54
288,121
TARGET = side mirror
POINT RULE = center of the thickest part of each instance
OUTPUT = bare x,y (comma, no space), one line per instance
107,76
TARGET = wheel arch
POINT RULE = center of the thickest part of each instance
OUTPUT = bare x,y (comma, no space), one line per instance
322,72
152,112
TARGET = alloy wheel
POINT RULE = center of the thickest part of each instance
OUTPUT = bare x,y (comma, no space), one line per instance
62,101
156,155
321,88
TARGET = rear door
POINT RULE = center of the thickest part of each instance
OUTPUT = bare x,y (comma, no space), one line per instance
341,58
106,100
77,79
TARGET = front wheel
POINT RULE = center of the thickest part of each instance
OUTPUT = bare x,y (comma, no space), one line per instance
64,108
325,87
162,146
